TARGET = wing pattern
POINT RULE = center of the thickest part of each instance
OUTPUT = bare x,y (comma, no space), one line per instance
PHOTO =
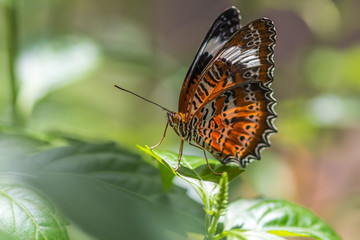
229,105
222,29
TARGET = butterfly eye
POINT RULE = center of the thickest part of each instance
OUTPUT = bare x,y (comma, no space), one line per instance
176,118
173,118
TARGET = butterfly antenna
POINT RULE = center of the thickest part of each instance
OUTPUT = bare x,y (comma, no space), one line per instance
123,89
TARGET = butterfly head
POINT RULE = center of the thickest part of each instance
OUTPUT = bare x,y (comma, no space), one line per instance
176,121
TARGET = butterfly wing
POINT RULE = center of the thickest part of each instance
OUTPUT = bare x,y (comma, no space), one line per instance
222,29
230,110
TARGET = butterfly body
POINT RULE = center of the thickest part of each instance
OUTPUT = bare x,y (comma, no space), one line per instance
226,103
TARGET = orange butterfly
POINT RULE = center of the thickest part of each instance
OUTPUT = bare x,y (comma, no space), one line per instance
226,103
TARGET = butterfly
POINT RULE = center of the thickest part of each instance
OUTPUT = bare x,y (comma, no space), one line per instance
226,105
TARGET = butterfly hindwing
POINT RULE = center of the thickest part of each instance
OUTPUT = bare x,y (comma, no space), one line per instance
231,108
222,29
234,126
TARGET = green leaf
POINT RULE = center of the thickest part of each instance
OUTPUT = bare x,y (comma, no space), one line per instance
25,213
7,236
192,166
278,217
195,171
107,190
236,234
15,144
166,177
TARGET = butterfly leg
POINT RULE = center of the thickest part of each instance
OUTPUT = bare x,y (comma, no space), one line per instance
180,154
207,161
155,146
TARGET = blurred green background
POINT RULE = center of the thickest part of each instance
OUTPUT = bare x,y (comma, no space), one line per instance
71,53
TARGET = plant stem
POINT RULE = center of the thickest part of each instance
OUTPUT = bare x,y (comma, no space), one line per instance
212,229
207,221
207,218
12,42
220,235
218,206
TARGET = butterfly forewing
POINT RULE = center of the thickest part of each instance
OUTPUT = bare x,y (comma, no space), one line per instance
247,56
230,106
222,29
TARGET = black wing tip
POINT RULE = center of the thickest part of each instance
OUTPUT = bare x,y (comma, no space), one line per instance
231,12
232,9
236,11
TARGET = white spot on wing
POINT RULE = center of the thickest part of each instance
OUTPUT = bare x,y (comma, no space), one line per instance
230,53
249,58
253,63
213,45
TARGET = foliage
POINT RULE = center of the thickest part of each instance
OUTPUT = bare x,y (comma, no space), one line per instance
109,192
99,187
49,181
249,218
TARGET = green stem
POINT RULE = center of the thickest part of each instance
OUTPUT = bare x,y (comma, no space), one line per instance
221,235
208,208
208,215
218,206
12,42
207,221
212,229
